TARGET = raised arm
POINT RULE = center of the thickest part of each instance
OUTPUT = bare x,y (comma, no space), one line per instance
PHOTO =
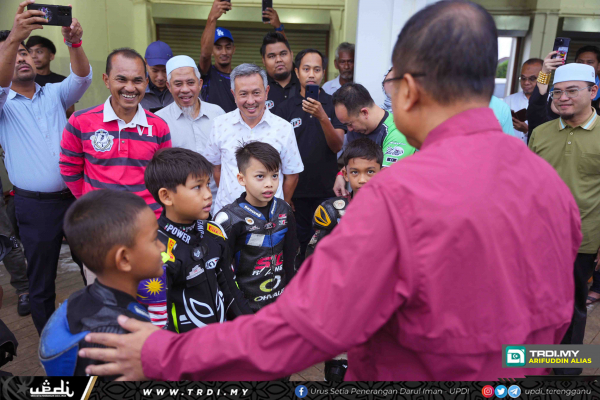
79,61
208,36
274,21
24,23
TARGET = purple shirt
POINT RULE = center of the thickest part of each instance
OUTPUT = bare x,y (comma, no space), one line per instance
440,260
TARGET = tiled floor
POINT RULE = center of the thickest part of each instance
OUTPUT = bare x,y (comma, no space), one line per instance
69,280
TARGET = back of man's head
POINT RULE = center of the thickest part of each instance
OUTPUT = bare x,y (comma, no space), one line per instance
42,41
452,46
101,220
534,62
354,97
272,38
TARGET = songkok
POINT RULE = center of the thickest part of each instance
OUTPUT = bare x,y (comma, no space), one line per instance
575,72
179,62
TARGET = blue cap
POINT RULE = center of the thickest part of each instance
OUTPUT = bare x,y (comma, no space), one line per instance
221,33
158,53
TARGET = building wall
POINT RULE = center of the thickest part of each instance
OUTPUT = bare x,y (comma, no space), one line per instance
109,24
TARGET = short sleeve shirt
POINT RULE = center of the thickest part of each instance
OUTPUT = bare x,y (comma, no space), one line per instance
574,152
320,163
229,131
216,89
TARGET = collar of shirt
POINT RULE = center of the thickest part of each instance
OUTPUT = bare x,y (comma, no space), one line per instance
139,118
152,88
588,125
236,118
12,94
293,81
466,123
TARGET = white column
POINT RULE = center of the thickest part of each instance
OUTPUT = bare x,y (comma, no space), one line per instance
378,26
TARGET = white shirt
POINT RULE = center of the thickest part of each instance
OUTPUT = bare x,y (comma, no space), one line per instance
139,120
192,135
230,130
332,86
517,102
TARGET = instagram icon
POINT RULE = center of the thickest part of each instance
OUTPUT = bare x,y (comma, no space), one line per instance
488,391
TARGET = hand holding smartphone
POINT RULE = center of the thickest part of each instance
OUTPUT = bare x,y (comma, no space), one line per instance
312,92
265,5
561,45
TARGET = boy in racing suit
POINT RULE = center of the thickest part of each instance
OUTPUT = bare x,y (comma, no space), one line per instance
362,160
114,234
199,279
260,229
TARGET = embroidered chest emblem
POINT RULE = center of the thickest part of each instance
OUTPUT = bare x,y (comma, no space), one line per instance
102,141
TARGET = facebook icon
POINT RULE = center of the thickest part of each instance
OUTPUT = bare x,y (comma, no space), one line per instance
301,391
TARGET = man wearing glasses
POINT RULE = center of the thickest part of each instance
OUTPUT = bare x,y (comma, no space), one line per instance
571,145
520,100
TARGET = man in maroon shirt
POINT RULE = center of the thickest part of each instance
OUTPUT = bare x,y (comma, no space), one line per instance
436,264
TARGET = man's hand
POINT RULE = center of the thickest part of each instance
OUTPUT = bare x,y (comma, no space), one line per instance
26,21
314,108
218,9
550,64
520,125
273,17
339,188
73,33
124,353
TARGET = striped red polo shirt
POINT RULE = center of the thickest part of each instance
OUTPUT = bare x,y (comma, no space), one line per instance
98,155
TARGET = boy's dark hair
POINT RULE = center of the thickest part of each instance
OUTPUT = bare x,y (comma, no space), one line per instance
171,167
363,148
4,36
588,49
272,38
127,53
42,41
99,221
354,97
304,52
266,154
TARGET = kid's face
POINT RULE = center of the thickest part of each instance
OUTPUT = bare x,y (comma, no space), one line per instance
193,200
360,171
261,185
145,255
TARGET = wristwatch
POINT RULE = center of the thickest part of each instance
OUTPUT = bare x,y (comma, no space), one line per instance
73,45
280,29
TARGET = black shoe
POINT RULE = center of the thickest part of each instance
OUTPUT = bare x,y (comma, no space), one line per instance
335,370
23,307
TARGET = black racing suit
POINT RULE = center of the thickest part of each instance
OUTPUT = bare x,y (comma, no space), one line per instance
326,217
263,242
200,284
94,308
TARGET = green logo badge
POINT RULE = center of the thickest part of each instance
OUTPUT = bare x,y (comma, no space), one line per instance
515,356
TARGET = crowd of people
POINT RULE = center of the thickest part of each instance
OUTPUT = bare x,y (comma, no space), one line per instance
200,193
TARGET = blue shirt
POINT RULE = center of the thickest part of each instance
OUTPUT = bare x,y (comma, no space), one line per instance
503,115
31,130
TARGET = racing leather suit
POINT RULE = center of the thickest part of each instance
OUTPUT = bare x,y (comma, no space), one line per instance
326,217
199,275
264,248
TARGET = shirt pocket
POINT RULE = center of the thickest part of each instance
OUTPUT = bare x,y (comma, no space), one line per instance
589,164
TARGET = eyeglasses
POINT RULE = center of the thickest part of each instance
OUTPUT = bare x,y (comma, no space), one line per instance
386,81
571,93
531,79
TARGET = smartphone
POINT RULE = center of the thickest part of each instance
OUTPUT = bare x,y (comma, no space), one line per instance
55,15
266,4
561,44
312,92
227,0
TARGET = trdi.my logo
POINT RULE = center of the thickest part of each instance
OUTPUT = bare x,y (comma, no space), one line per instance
515,356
